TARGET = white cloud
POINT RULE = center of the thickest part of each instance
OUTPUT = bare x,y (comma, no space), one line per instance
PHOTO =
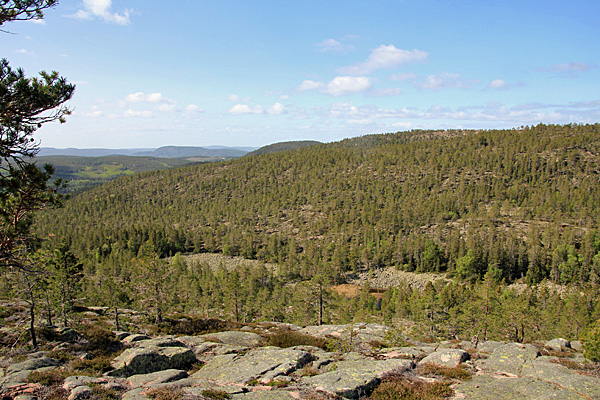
339,86
310,85
102,9
385,57
26,52
140,97
134,113
497,84
333,46
238,99
343,85
241,109
276,109
165,107
446,81
193,109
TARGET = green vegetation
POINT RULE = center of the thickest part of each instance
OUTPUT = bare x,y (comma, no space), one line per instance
283,146
486,208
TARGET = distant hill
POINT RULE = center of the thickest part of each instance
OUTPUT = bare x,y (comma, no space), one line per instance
85,172
189,151
162,152
71,151
283,146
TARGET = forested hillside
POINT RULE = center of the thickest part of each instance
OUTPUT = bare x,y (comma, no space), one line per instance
513,205
524,202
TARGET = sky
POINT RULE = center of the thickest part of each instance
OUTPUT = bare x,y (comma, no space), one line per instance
254,72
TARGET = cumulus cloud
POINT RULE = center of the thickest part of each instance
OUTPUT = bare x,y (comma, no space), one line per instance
241,109
135,113
140,97
276,109
102,9
26,52
446,81
192,109
244,109
339,86
497,84
385,57
333,46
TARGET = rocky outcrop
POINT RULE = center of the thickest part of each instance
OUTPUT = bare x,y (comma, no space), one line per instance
143,360
232,362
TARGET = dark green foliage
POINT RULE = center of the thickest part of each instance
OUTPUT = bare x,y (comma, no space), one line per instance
23,10
186,325
100,339
591,345
288,338
95,367
215,394
283,146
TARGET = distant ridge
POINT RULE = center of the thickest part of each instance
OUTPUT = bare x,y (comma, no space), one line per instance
283,146
162,152
190,151
71,151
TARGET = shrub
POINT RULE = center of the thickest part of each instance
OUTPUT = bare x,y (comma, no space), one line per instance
100,339
165,393
183,325
216,394
400,387
459,372
53,377
96,366
100,393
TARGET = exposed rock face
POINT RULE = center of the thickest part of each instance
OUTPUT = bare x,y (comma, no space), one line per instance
510,358
143,360
447,357
558,344
235,365
256,364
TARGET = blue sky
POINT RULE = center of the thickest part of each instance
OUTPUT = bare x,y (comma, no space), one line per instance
250,73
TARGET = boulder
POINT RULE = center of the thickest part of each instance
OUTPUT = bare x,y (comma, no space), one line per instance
144,360
236,338
80,392
32,364
168,375
358,333
406,352
162,341
72,382
354,378
136,337
234,368
488,346
558,344
447,357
